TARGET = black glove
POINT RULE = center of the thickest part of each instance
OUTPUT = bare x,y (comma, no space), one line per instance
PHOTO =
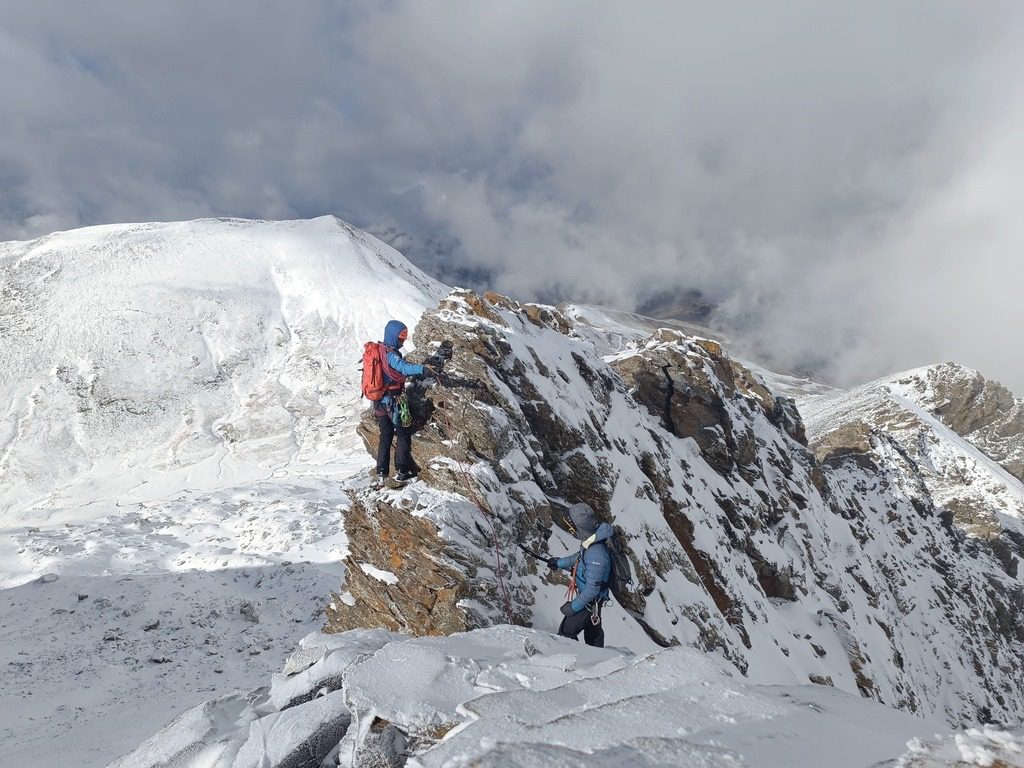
431,372
567,608
552,562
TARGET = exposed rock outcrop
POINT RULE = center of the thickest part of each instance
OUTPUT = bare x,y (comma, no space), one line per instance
983,412
962,434
742,540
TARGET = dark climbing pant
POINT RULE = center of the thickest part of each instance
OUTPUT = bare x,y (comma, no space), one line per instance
403,451
593,634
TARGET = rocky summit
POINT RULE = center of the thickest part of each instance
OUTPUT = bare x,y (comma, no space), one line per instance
798,565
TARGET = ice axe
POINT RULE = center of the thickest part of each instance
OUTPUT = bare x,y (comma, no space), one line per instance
531,553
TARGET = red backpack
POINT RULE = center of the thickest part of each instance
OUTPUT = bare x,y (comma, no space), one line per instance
378,377
374,387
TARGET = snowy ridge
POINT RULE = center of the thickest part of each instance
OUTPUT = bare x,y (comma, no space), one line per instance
177,404
181,486
513,696
743,543
960,470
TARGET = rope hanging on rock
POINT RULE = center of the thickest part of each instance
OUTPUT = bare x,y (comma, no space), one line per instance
488,517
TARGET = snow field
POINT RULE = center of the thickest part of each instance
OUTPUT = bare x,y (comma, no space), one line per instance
177,413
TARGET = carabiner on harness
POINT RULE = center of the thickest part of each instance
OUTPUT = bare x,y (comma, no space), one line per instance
404,414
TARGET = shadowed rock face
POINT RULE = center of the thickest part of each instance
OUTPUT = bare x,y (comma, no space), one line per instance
742,541
685,383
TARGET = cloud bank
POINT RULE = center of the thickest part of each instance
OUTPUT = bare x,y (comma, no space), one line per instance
841,182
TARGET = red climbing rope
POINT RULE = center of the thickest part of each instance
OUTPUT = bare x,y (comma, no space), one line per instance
572,590
488,518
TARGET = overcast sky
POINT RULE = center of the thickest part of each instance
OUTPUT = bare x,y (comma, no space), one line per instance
843,180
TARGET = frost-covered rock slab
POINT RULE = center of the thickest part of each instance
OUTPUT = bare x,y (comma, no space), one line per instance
245,732
439,674
299,737
987,747
678,702
328,657
510,696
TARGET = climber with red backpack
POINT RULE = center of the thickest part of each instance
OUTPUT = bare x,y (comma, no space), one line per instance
384,375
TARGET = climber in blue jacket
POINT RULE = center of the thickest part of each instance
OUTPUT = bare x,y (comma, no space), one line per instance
592,567
395,372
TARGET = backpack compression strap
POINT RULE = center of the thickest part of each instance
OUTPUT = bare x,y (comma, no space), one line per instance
393,380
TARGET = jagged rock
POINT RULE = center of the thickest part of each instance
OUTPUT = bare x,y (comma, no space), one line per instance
923,414
249,612
426,589
727,516
383,746
686,383
851,441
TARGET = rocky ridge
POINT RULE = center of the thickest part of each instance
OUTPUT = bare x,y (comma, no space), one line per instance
843,572
962,432
181,397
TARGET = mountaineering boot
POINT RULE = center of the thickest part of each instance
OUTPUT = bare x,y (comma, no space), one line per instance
403,476
379,479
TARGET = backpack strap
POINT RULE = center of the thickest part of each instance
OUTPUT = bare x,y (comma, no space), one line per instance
393,380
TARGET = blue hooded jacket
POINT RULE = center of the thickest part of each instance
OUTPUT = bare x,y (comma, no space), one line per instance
386,405
393,343
595,563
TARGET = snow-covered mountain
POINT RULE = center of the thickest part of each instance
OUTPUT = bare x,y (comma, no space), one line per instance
181,458
177,412
963,433
211,351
